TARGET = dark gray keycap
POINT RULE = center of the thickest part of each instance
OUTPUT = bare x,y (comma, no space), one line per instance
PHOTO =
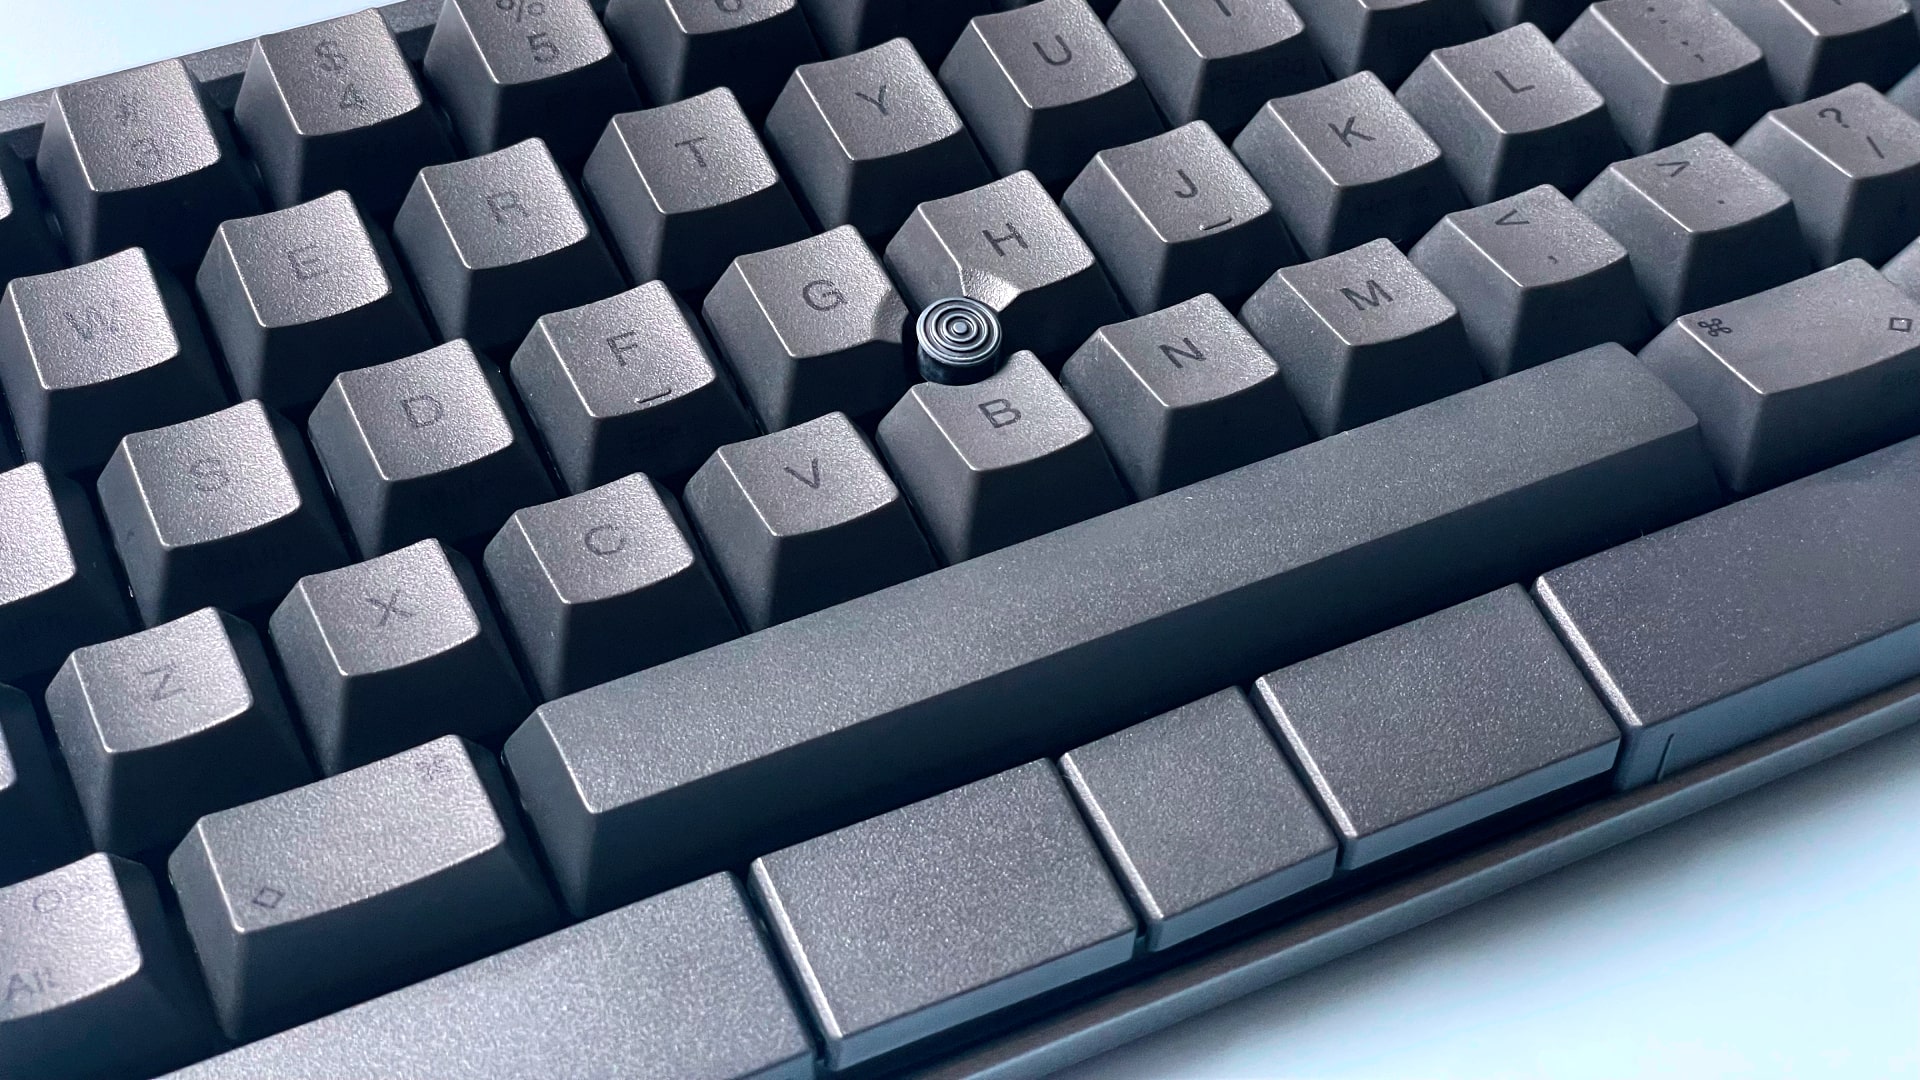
628,384
680,986
95,351
942,911
333,106
1433,726
389,653
1906,93
698,763
1800,377
1182,394
686,187
297,296
1200,816
1386,37
162,726
1510,113
508,70
27,246
1533,278
846,26
1732,626
1044,86
1175,216
36,810
1851,162
224,510
138,158
328,894
1361,335
1700,225
1217,60
999,461
604,583
57,589
803,519
868,137
812,328
1346,164
97,988
1669,69
495,242
681,48
1007,245
1904,269
1551,16
1816,46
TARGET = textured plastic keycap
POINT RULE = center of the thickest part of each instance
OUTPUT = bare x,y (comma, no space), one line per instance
1217,60
1816,46
1904,269
847,26
1669,69
942,911
57,587
1851,162
27,246
1387,37
681,48
36,809
1551,16
328,894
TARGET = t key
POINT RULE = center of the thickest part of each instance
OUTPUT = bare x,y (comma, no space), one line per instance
1669,69
684,47
1851,162
1217,60
57,587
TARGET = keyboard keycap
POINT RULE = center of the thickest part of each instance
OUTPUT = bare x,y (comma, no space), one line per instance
1217,62
1388,40
1436,725
36,812
577,577
1669,69
1182,394
1851,162
943,911
224,511
681,48
846,26
1814,47
1904,270
57,589
1201,815
1551,16
389,653
320,897
1346,164
162,726
27,246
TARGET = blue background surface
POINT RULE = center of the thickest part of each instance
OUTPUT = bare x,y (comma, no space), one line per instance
1774,936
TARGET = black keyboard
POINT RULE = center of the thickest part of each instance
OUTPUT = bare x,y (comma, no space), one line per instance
866,538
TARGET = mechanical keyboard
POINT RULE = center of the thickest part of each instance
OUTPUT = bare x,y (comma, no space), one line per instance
881,538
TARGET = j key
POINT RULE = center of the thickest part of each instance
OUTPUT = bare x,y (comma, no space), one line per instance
165,725
1346,164
846,26
686,187
1217,60
1386,38
868,137
1734,625
389,653
299,295
1177,215
997,462
803,519
90,353
603,583
1851,162
680,48
57,589
495,242
1435,725
1700,225
812,328
427,445
333,106
628,384
1044,86
509,70
1008,246
952,908
223,510
1534,278
1799,377
41,828
1669,69
1815,46
308,901
1182,394
1361,335
1510,113
26,244
97,988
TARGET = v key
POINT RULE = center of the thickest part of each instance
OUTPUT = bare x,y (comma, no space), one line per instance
813,480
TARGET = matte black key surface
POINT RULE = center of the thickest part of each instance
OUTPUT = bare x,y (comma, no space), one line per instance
1387,37
680,986
224,510
333,106
1200,816
389,653
1851,162
1669,69
1435,725
57,587
27,246
95,351
942,911
36,811
681,48
1217,62
328,894
1815,46
846,26
162,726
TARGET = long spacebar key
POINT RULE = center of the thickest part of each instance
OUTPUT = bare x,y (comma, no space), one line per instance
700,763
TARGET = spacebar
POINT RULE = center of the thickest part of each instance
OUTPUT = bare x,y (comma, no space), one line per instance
702,763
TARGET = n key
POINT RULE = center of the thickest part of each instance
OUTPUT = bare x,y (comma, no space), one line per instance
1851,162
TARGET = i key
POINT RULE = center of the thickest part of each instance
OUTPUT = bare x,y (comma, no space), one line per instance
57,587
1669,69
1851,162
684,47
1217,60
1387,39
1817,46
41,827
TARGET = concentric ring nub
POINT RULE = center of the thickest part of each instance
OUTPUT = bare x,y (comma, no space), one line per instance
959,340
